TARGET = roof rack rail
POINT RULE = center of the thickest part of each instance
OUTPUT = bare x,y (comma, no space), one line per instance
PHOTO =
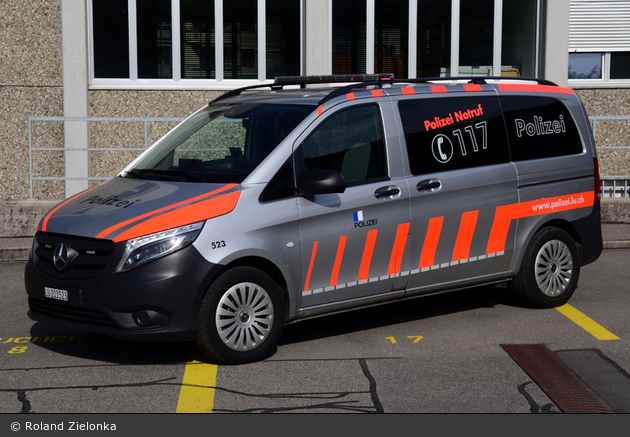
334,78
471,79
282,81
366,80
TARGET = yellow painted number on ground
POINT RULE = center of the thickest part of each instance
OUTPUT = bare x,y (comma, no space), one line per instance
416,337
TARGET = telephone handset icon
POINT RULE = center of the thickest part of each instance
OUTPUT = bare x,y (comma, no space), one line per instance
440,140
442,148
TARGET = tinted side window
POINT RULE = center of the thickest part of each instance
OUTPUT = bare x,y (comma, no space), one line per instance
453,133
539,127
350,142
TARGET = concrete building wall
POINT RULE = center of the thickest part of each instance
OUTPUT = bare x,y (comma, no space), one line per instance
610,133
31,84
32,64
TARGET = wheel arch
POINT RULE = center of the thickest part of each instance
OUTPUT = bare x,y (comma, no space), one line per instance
269,268
557,222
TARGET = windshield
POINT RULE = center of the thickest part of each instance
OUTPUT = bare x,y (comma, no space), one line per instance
220,143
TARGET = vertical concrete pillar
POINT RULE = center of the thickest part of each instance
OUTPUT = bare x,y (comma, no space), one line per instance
318,34
556,41
75,92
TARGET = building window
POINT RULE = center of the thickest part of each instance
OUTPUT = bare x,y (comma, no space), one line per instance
348,37
155,51
599,68
620,65
110,26
197,39
391,37
519,38
476,37
176,43
585,65
431,38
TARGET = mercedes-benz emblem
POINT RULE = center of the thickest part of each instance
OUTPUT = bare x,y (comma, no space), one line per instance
60,257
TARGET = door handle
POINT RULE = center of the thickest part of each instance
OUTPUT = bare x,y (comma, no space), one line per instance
387,192
429,185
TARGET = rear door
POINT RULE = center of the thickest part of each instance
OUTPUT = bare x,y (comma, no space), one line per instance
353,243
461,179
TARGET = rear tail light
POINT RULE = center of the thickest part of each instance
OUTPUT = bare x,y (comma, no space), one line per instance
598,183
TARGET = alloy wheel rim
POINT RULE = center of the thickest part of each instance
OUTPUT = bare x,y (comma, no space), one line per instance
554,268
244,316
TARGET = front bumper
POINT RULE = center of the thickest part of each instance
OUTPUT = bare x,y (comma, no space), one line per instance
158,301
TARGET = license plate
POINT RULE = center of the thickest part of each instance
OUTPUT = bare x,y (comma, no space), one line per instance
53,293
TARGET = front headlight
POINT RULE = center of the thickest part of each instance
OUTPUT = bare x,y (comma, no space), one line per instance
144,249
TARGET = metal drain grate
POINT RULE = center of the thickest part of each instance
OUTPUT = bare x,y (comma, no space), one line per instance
563,387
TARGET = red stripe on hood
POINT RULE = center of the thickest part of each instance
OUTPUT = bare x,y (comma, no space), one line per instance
111,229
186,215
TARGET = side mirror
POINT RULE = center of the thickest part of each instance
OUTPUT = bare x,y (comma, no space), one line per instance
321,181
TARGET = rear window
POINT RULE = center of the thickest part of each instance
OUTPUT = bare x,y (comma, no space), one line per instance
453,133
539,127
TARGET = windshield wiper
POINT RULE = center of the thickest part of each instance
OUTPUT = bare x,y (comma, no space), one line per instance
134,174
168,175
187,175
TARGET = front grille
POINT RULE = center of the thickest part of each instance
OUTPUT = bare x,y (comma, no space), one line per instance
92,255
64,312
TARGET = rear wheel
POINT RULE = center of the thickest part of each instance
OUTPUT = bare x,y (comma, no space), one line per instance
549,271
241,317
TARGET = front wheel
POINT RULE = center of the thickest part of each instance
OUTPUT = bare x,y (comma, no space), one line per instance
241,317
549,271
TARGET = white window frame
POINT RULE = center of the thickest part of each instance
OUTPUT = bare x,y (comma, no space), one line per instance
177,82
605,81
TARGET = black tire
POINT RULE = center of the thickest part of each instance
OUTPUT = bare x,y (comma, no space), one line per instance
549,271
241,317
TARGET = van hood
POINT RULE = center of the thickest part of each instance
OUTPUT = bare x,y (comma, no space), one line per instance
122,209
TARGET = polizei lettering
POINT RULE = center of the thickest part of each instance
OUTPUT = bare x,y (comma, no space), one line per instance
453,118
364,223
539,126
111,200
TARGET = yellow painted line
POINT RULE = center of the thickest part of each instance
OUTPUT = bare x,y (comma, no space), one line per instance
586,323
198,386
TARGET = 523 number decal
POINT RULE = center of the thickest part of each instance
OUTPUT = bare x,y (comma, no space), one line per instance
218,244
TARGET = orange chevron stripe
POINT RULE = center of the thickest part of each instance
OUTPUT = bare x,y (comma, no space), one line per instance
465,235
427,257
338,258
206,209
111,229
395,260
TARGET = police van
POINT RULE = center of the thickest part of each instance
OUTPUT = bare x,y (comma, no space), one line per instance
290,200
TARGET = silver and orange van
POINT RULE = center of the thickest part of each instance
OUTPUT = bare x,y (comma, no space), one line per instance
290,200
